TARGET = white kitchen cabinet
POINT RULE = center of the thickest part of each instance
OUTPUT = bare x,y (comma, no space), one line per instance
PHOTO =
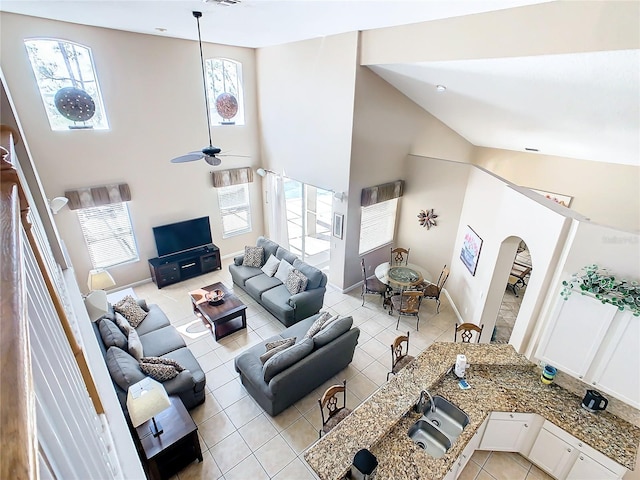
510,432
596,343
466,454
552,454
565,457
586,468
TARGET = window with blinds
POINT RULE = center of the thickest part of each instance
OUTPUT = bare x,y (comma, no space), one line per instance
377,225
235,209
108,234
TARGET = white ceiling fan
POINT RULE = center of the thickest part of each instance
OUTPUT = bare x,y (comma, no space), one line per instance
210,152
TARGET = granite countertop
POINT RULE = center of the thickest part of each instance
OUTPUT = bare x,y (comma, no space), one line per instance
501,380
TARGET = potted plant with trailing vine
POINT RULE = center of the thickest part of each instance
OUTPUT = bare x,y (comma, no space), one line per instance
603,285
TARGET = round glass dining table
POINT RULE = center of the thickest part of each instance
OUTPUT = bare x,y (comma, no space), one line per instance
402,276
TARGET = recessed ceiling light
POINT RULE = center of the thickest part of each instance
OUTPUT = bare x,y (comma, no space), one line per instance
440,88
160,29
531,149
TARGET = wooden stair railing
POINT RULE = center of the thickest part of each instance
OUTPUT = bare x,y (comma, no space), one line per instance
18,435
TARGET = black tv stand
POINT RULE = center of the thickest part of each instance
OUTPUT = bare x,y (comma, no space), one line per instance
181,266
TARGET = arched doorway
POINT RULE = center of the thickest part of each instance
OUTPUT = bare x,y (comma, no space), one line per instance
514,291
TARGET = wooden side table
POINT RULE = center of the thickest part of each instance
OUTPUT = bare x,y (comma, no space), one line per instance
176,447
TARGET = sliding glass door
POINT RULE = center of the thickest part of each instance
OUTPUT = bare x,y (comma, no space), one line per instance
308,222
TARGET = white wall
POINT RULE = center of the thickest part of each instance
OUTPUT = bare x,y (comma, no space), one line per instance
604,192
152,89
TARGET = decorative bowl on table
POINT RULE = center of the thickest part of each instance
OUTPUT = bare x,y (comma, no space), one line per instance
215,297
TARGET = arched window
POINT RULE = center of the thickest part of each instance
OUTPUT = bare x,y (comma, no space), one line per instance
224,88
68,84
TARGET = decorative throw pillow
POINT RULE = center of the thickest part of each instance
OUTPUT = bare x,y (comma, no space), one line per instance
276,347
333,331
111,334
284,359
326,324
317,325
122,323
160,369
128,307
253,256
283,270
296,282
271,266
134,345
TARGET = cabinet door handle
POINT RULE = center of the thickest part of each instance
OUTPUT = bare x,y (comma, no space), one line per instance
526,426
511,415
581,457
188,265
569,450
580,444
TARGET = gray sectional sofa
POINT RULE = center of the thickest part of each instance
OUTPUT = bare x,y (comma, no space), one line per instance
316,360
272,294
159,339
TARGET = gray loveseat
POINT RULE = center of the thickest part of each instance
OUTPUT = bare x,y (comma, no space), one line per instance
329,352
272,294
159,339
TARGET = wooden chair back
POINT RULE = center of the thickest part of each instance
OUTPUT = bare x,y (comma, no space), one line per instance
410,302
399,349
399,256
467,331
330,402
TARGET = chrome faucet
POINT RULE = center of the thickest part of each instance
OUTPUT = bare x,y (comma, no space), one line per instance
421,403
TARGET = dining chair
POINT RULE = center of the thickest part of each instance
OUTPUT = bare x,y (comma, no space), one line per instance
433,290
467,331
400,357
372,286
399,256
329,403
407,303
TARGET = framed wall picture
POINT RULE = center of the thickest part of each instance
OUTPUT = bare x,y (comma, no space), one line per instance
564,200
471,246
338,221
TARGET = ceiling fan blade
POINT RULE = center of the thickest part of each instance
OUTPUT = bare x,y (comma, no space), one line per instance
189,157
233,155
212,160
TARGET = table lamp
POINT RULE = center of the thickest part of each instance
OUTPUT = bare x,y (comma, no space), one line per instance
145,400
96,301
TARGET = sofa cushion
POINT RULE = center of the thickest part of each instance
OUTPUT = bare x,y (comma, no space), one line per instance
296,281
276,347
284,254
313,275
277,299
162,341
155,320
241,274
270,267
283,270
270,247
286,358
253,256
259,284
332,331
124,369
111,334
129,309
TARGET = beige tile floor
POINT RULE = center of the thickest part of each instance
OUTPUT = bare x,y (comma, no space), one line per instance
238,439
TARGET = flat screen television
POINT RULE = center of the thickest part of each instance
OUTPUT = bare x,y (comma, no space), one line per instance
182,236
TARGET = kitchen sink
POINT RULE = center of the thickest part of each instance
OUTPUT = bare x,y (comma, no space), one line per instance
429,438
438,429
447,417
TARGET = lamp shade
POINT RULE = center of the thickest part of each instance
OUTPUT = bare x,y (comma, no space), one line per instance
96,304
57,203
100,280
145,400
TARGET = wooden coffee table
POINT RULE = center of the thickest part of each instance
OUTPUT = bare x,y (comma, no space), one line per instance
224,319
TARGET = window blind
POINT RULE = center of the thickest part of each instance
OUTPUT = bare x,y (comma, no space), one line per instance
235,209
108,234
377,225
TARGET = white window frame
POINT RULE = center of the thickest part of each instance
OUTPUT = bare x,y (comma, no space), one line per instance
377,225
236,210
54,71
224,75
108,234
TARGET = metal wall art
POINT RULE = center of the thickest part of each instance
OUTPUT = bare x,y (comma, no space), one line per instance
427,218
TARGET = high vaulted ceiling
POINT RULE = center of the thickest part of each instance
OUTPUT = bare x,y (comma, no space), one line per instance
582,105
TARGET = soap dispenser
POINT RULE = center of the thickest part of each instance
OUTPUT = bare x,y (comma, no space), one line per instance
461,365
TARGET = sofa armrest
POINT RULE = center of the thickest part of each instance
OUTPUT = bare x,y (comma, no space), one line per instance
181,383
307,303
239,259
249,365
